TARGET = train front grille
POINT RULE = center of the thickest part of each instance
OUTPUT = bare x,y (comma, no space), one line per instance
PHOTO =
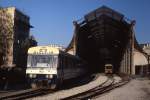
41,76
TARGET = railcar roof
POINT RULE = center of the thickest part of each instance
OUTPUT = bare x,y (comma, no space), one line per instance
108,64
43,49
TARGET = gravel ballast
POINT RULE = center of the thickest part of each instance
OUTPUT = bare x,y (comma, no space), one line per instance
69,92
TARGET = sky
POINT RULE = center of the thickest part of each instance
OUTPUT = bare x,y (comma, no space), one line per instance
53,19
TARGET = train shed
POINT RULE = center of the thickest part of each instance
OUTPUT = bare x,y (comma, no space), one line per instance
105,36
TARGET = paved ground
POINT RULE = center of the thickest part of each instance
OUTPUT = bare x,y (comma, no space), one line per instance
137,89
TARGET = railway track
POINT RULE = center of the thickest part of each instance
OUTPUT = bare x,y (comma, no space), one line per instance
108,85
25,94
93,93
7,91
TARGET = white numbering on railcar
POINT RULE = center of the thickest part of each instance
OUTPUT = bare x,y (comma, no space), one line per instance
41,71
43,51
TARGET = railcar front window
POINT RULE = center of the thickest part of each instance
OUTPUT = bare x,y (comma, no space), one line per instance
109,67
42,61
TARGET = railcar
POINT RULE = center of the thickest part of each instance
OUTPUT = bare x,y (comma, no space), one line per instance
108,69
50,66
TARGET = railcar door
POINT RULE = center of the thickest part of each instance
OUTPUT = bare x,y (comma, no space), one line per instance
61,68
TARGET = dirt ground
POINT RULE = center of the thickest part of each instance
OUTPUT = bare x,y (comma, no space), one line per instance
136,89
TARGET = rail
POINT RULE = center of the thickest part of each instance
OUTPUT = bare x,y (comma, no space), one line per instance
25,94
108,85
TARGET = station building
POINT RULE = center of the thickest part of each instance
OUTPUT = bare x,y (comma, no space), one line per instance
146,48
15,37
140,63
141,60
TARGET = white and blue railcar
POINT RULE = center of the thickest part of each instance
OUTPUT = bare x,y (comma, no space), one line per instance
50,66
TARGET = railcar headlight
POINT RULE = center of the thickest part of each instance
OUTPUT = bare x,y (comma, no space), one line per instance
49,76
30,75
